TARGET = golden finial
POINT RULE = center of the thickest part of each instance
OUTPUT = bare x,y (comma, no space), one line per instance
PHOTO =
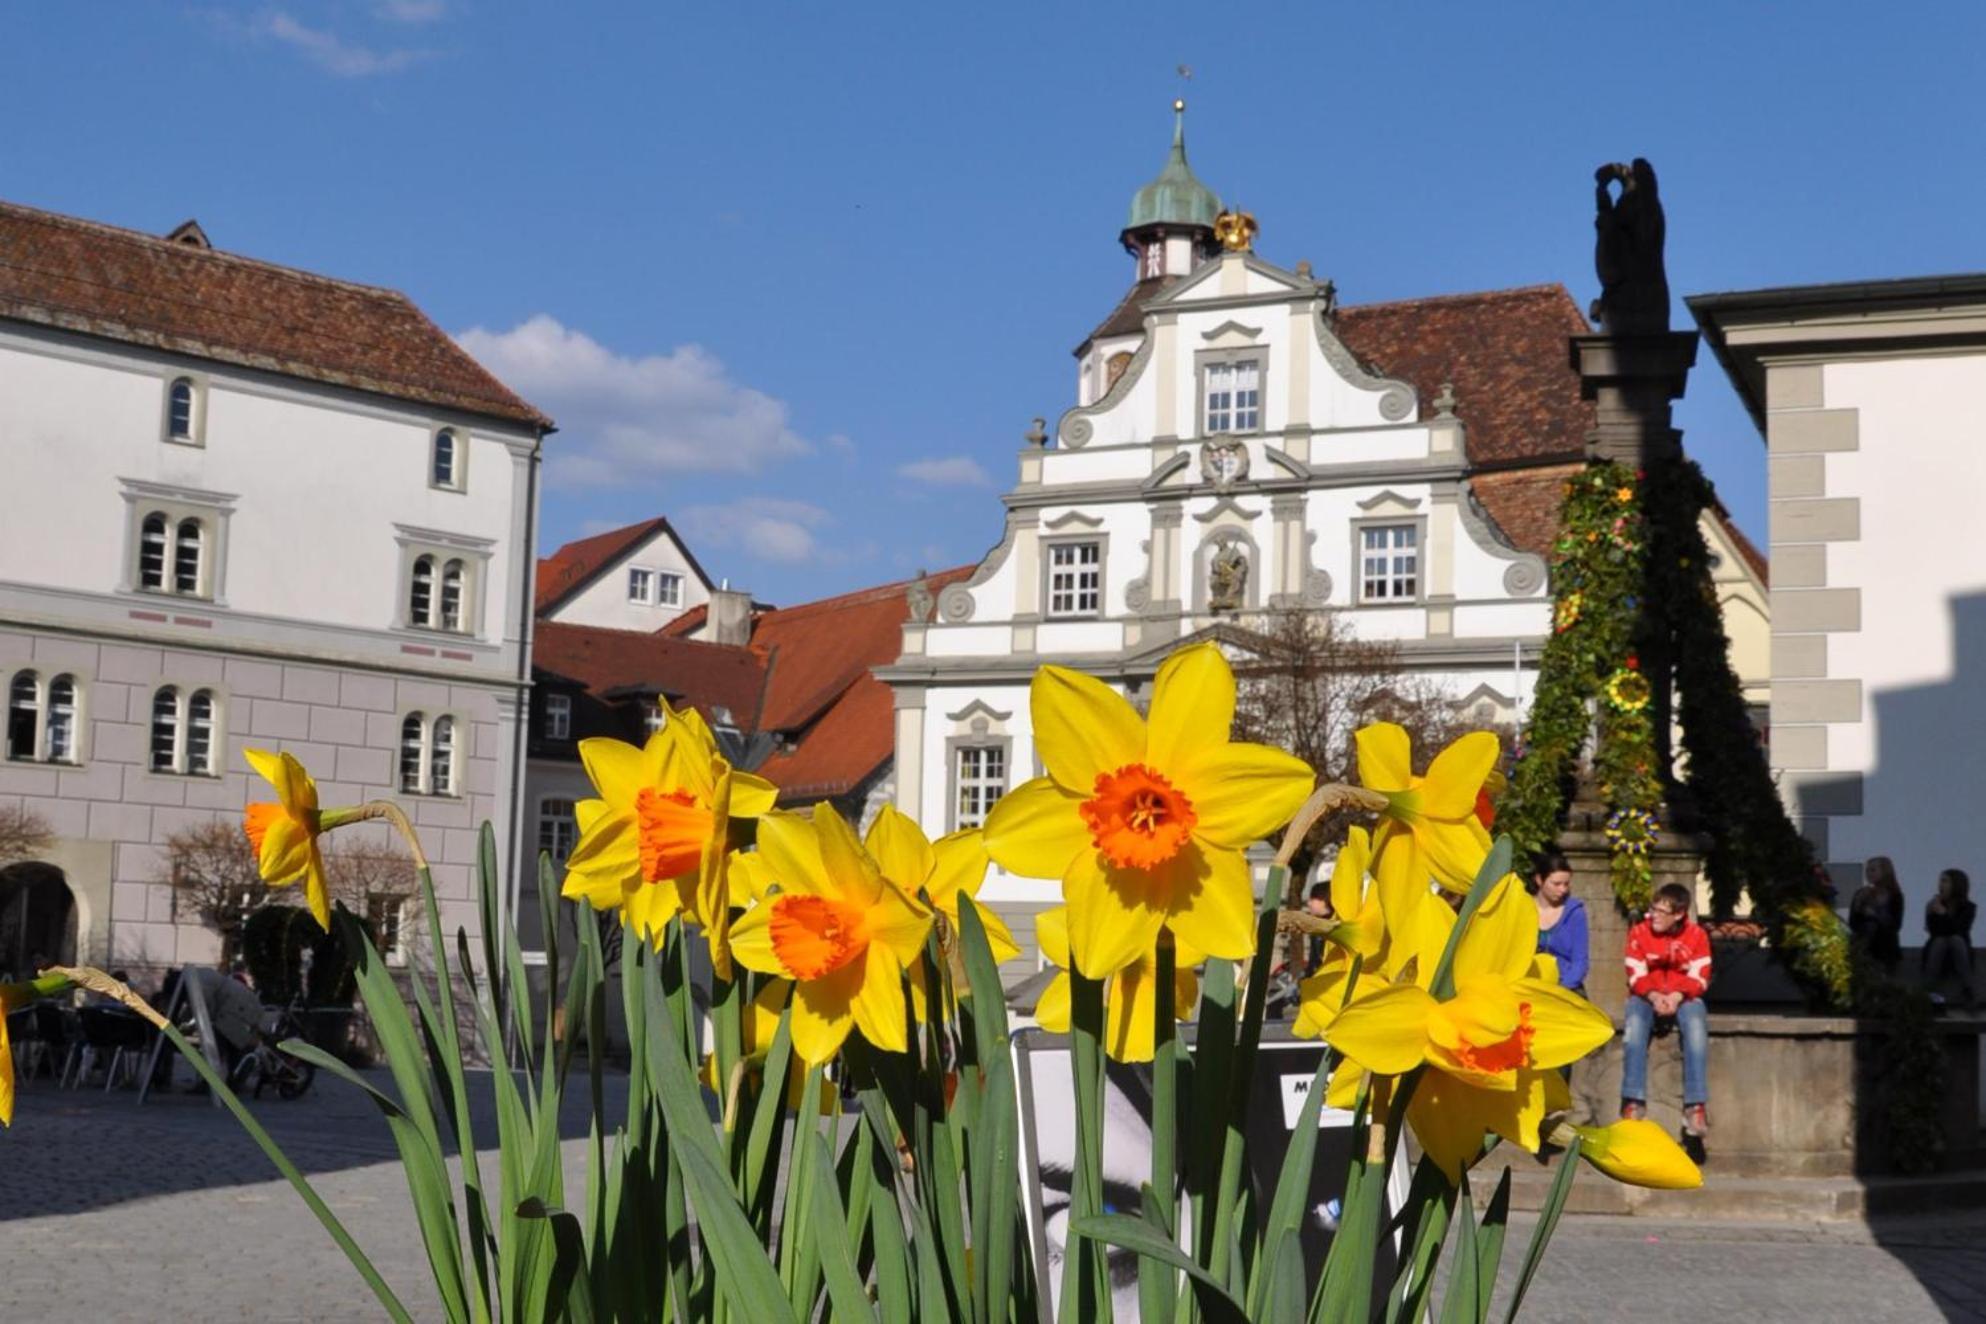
1236,231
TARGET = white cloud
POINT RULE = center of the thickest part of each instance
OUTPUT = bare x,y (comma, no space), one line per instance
623,419
767,528
333,53
950,471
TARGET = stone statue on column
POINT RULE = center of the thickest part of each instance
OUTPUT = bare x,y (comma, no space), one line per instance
1627,251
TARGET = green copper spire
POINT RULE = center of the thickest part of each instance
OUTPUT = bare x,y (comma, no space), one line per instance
1175,197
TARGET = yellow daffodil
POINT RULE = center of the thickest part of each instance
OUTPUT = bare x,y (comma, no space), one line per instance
655,842
1146,824
837,929
1361,925
1322,994
749,876
948,871
757,1027
1129,999
1639,1153
1491,1047
284,834
1430,826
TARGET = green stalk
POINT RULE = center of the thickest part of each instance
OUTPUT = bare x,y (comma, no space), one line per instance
1085,1288
1158,1285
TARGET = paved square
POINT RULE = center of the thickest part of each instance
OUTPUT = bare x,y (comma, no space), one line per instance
110,1211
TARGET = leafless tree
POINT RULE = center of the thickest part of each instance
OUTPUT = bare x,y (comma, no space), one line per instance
214,880
23,834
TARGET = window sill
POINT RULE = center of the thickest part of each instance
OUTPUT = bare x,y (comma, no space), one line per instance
31,762
1383,604
175,774
444,796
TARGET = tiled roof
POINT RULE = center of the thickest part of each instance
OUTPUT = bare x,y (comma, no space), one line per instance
1748,549
705,676
1128,317
1505,353
1525,502
805,676
122,285
574,565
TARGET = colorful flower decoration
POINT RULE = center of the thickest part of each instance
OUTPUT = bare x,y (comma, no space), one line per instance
1629,691
1623,494
1632,831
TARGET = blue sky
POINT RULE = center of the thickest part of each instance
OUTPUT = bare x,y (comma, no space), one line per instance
799,276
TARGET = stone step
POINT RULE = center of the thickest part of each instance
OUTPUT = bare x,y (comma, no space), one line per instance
1730,1198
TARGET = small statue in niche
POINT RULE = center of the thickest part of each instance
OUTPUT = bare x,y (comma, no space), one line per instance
1627,251
919,599
1227,579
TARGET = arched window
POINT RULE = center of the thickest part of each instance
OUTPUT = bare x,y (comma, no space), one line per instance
413,753
188,546
420,600
445,467
451,596
59,735
152,552
23,714
165,730
179,409
441,758
200,733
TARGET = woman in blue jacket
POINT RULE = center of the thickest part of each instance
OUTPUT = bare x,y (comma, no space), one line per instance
1561,920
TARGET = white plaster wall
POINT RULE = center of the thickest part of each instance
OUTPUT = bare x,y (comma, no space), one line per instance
321,483
1126,459
1919,475
604,602
1529,619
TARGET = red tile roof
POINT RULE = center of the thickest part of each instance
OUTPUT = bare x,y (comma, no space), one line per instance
574,565
705,676
1525,502
1505,353
805,677
121,285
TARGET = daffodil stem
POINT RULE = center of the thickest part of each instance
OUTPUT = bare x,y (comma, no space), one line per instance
1085,1293
383,811
1326,799
1157,1284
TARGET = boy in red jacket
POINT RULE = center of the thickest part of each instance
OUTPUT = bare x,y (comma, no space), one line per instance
1668,972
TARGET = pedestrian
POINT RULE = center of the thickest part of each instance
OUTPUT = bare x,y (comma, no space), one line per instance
1668,972
1948,920
1562,932
1875,915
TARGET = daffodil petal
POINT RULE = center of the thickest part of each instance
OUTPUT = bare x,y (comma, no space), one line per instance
1639,1153
1322,997
899,924
1564,1026
1342,1092
901,850
1037,829
1051,934
999,938
1385,757
1114,915
294,788
1192,706
1052,1012
1449,1120
1241,793
286,851
824,1012
751,796
317,889
1384,1031
850,870
1211,900
1453,852
1457,773
1082,728
792,853
1129,1008
751,942
1502,937
618,770
611,843
1348,873
959,863
879,1008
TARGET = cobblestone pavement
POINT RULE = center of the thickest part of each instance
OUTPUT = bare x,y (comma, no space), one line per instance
109,1211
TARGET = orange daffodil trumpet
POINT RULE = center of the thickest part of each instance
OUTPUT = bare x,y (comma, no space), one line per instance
838,929
284,833
654,844
1491,1048
1130,1032
1146,822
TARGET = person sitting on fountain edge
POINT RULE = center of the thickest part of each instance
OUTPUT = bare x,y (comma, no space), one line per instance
1668,972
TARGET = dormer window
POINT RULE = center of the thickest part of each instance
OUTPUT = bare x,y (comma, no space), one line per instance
1233,396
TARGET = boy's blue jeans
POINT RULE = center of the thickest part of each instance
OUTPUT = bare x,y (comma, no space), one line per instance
1693,1021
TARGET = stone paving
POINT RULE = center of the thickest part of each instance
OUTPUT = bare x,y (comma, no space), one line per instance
109,1211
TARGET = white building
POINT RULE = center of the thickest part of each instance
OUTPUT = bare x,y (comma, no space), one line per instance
1240,443
1871,398
242,505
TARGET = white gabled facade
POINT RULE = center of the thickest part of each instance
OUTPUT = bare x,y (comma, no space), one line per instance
1240,435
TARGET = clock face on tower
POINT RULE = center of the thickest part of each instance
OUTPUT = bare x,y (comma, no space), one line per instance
1224,463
